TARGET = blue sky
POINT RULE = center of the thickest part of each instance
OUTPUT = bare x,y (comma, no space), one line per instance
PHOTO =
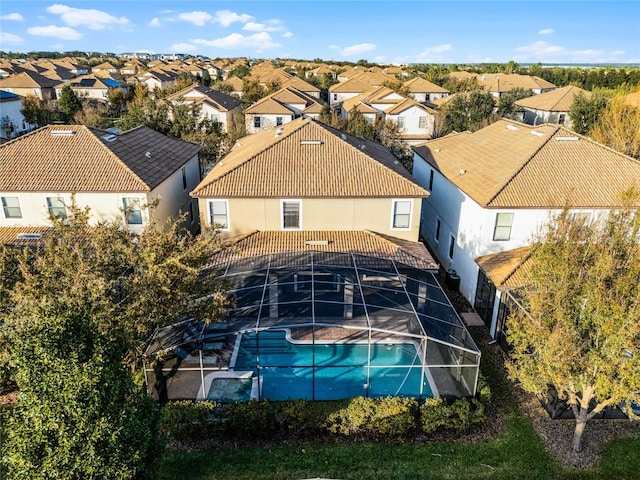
379,31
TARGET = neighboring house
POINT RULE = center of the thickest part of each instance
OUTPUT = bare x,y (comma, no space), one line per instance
215,106
422,90
493,189
93,87
12,122
29,83
105,67
550,107
147,173
280,108
340,92
308,177
498,83
157,78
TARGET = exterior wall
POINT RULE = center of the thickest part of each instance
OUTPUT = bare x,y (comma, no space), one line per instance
250,214
337,98
538,117
412,122
41,93
266,121
11,117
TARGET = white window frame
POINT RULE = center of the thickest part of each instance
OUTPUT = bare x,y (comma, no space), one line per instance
500,238
291,200
209,215
64,199
394,202
141,202
4,207
257,119
401,122
422,121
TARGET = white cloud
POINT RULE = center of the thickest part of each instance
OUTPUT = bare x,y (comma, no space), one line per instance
197,18
14,17
268,26
546,31
380,59
260,41
155,22
182,47
9,38
287,35
65,33
353,50
542,51
91,18
434,54
227,17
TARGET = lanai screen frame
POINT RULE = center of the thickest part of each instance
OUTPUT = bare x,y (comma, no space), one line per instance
274,270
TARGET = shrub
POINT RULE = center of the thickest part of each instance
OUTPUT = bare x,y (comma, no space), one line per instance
436,413
186,420
247,420
303,418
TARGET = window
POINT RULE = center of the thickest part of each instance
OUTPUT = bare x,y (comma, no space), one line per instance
278,121
561,118
581,217
438,225
184,177
400,122
335,97
256,122
431,180
422,122
291,214
132,210
11,207
191,215
214,117
452,244
401,214
56,207
219,214
503,226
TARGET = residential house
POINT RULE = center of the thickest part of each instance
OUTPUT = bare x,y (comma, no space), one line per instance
422,90
498,83
12,122
105,67
280,108
236,86
141,172
93,87
29,83
550,107
215,106
340,92
158,78
493,189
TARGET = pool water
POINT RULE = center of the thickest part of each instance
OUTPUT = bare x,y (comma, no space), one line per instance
286,372
230,389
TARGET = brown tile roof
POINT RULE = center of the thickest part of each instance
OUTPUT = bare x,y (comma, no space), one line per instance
280,102
28,79
420,85
503,82
558,100
13,235
506,269
299,84
268,106
308,159
350,86
364,242
403,105
509,164
52,159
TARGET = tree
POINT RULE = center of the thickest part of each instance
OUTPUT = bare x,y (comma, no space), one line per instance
506,104
240,71
93,115
82,308
584,112
252,91
618,127
578,335
68,103
469,111
36,111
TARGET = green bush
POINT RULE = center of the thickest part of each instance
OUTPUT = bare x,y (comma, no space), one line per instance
303,418
247,420
436,414
186,420
374,417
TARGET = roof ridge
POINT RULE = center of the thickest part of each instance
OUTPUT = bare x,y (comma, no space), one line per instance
524,164
519,264
592,141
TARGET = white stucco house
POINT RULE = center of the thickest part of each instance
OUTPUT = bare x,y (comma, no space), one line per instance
12,122
214,105
492,190
141,172
550,107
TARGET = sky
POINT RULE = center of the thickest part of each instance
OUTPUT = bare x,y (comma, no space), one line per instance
389,32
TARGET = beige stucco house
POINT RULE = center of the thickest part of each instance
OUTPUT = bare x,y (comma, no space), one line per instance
141,171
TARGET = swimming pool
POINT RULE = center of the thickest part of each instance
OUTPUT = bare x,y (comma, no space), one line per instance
286,369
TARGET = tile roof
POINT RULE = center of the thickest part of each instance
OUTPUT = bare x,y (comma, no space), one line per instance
300,84
406,104
28,79
506,269
512,165
420,85
53,159
350,86
365,242
308,159
503,82
558,100
281,102
14,235
269,106
222,101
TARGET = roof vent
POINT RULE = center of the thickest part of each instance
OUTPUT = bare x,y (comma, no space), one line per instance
363,147
317,242
148,154
278,132
462,171
343,136
512,127
310,142
537,133
437,150
63,133
109,138
567,139
28,236
396,162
